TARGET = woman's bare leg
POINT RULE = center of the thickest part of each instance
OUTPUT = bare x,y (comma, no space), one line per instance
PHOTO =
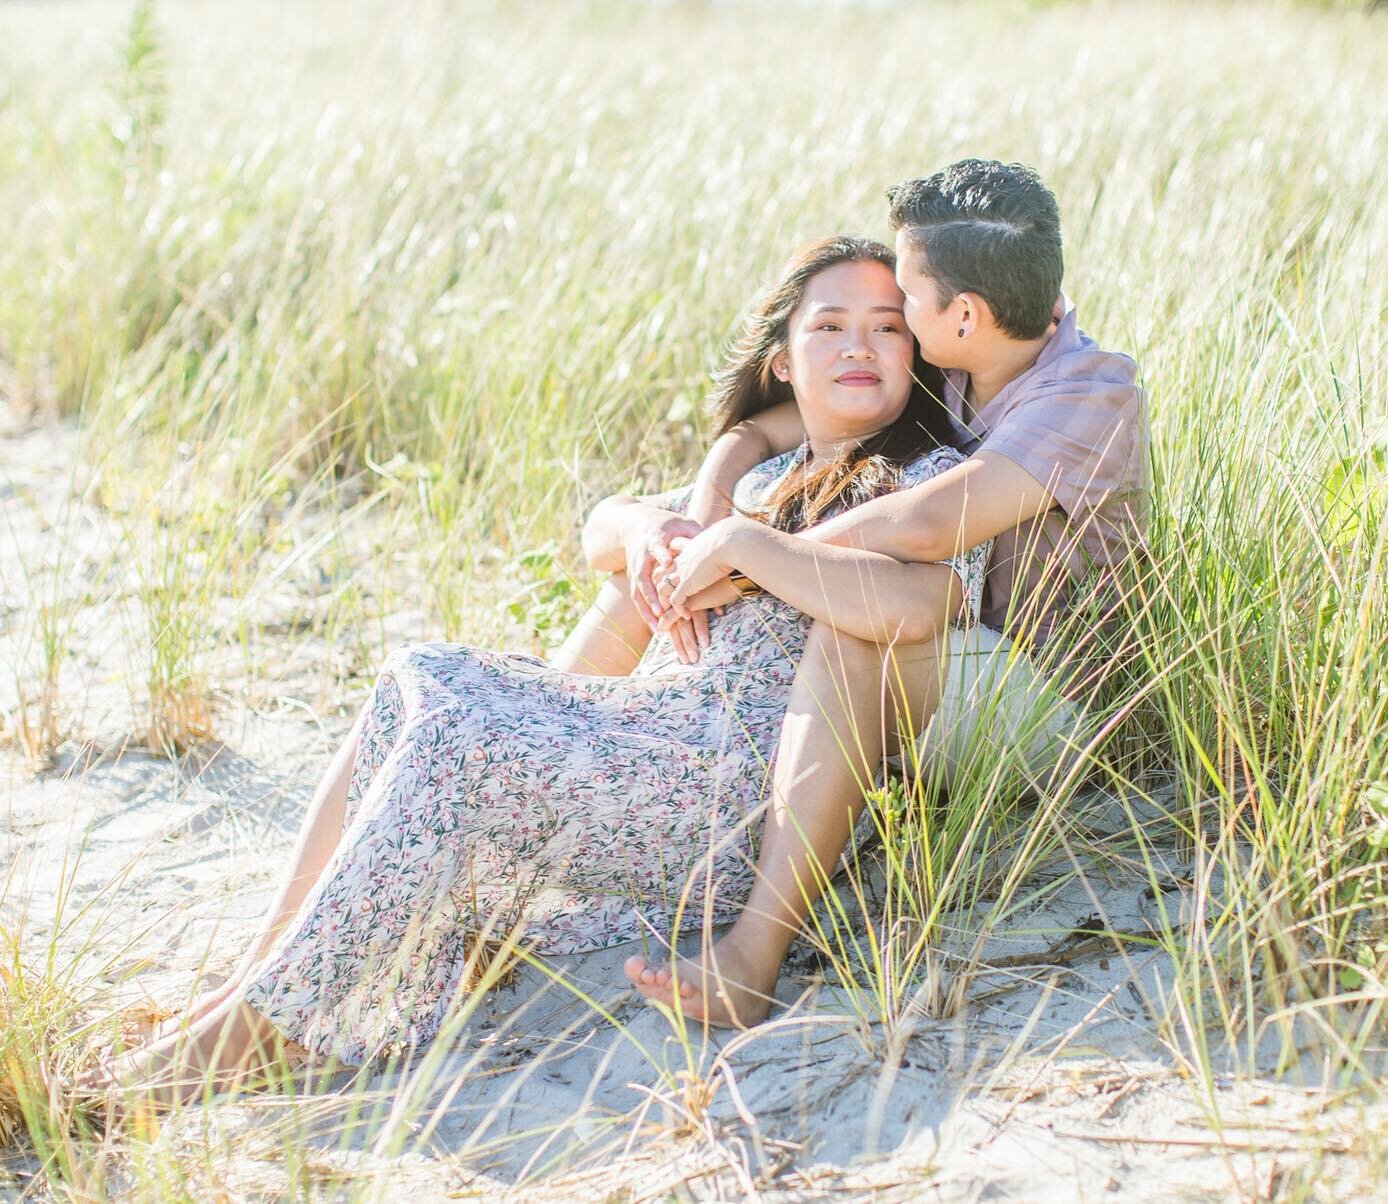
319,835
611,636
830,749
219,1032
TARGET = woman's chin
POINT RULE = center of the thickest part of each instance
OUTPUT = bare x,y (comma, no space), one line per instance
857,422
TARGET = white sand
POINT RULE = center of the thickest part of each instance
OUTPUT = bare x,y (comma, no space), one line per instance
178,860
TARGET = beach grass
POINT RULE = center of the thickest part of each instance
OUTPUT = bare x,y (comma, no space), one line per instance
357,311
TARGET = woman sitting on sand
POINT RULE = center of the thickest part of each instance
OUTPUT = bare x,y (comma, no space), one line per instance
482,792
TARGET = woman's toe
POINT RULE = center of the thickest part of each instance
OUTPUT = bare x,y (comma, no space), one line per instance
89,1086
93,1079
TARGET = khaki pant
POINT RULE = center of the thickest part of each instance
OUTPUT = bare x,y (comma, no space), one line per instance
997,720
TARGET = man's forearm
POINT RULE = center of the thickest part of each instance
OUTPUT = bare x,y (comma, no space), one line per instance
897,525
864,594
945,515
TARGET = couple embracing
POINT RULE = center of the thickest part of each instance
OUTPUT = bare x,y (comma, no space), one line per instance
923,470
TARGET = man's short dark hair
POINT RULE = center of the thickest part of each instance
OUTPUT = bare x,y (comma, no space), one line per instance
988,228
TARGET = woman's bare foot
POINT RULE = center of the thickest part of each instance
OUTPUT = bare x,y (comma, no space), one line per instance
230,1045
723,987
204,1005
138,1033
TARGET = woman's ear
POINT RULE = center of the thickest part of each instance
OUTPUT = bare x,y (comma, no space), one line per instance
780,365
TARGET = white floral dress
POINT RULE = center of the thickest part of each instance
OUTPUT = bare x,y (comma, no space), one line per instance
491,791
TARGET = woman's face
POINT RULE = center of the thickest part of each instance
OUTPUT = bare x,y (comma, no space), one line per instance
849,353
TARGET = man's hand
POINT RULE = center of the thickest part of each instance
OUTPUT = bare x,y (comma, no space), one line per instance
701,563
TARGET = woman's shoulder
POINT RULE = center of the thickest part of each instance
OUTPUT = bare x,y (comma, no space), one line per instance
931,463
761,477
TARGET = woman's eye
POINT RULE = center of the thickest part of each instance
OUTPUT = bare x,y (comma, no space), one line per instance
828,326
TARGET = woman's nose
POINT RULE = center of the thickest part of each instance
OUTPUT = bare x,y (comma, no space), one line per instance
859,346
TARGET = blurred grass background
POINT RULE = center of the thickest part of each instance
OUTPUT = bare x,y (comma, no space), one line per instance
380,298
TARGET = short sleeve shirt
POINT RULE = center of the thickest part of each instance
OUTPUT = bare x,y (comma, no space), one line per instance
1076,420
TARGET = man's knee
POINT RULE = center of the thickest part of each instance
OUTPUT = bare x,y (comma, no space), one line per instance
904,679
828,644
835,646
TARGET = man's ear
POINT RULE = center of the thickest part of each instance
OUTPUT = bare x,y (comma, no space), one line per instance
973,313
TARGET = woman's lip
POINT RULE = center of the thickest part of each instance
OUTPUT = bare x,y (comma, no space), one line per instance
859,378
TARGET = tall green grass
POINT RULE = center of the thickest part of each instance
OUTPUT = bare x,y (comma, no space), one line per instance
384,299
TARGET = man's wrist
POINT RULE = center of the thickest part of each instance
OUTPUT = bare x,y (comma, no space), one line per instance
738,542
743,583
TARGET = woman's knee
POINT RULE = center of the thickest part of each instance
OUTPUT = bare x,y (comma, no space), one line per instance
398,658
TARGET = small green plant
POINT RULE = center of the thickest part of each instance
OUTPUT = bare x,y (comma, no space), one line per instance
175,543
547,604
53,571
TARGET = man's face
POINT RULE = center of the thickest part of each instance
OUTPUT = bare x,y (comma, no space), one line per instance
934,327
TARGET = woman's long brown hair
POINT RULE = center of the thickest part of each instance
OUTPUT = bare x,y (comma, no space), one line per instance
746,385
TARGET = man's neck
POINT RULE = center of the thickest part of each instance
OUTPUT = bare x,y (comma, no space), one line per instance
1006,361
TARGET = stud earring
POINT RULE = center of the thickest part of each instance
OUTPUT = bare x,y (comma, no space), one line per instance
961,332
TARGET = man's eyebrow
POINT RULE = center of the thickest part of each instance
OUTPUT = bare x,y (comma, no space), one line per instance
843,309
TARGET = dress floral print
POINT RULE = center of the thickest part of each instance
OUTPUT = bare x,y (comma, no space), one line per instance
491,792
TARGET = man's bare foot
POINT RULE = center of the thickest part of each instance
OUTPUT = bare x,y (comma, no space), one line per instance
723,987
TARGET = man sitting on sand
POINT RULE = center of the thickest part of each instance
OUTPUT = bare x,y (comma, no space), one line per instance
1056,433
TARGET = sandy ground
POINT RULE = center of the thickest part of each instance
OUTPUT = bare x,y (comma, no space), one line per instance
1058,1080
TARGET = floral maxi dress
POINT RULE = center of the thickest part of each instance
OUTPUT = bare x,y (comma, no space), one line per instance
491,791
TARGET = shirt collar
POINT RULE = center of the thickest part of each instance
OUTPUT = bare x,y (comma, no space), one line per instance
1065,338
